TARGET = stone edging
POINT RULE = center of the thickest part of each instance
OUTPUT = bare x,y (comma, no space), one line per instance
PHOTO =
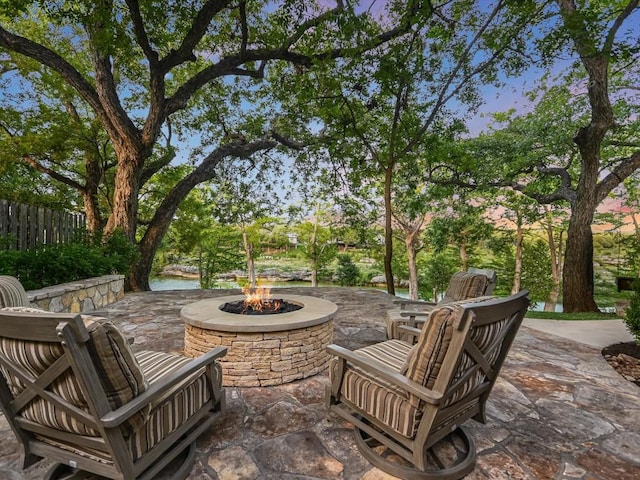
80,296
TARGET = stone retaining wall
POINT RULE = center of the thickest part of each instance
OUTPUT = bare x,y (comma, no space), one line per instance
264,359
81,296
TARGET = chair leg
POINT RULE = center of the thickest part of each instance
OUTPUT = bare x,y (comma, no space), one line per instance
60,471
437,467
178,469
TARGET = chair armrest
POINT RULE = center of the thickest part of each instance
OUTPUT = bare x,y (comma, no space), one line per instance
410,331
409,313
406,301
381,370
120,415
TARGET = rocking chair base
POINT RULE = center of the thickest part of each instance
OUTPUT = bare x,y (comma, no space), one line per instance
178,469
383,458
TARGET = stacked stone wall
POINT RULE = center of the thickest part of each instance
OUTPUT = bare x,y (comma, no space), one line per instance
81,296
265,359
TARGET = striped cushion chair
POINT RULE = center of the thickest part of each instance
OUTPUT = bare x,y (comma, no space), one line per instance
411,400
12,293
462,286
75,393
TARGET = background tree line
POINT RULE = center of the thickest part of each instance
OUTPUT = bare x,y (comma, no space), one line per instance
123,108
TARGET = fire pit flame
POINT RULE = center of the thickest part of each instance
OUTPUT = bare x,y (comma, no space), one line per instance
259,302
259,299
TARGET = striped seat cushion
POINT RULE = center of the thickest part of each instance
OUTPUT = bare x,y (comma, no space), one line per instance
167,413
465,285
119,372
12,292
385,401
176,405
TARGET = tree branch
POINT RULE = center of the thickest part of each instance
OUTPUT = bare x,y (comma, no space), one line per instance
611,35
624,169
49,58
444,97
96,28
242,7
29,160
141,35
287,142
198,28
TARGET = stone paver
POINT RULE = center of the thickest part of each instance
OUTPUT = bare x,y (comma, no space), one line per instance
558,411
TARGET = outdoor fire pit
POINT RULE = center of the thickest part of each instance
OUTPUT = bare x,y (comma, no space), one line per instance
267,348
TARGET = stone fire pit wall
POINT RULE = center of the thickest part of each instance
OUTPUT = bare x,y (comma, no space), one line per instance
262,350
266,358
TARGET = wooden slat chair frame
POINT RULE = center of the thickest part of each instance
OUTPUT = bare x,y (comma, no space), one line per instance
414,312
69,332
441,413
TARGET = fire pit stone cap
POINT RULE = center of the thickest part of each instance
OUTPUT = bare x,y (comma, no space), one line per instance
206,314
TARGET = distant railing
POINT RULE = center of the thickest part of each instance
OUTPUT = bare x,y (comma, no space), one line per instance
26,226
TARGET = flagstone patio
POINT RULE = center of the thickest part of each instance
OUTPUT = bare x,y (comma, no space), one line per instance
558,411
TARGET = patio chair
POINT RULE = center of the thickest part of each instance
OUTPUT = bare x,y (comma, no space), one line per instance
475,282
74,393
408,402
12,293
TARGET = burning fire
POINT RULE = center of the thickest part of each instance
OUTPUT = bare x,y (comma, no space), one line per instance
260,299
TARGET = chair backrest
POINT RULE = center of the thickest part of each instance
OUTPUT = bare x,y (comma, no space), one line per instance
491,275
12,293
459,354
59,372
464,285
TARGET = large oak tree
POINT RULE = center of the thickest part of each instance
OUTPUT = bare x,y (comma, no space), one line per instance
582,139
141,64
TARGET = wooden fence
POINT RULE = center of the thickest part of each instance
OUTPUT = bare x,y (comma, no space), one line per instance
26,226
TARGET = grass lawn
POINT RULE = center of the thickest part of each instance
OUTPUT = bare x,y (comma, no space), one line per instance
572,316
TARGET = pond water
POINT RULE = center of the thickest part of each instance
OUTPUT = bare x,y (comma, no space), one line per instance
179,283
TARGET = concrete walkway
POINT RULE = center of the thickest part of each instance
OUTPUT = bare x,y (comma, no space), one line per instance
597,333
558,410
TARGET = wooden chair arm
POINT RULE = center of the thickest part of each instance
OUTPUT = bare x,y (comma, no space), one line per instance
412,332
406,301
120,415
409,313
382,371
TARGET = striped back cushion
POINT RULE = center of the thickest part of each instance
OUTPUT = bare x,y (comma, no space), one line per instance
465,285
429,352
12,292
119,372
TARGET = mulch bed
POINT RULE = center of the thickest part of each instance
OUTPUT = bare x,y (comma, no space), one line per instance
625,359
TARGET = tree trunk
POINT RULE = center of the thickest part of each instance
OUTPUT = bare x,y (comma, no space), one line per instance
577,275
251,267
410,243
517,271
464,256
138,279
554,254
125,194
92,212
388,232
314,253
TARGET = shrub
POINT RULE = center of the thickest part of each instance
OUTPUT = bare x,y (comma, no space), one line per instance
347,273
632,315
53,264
